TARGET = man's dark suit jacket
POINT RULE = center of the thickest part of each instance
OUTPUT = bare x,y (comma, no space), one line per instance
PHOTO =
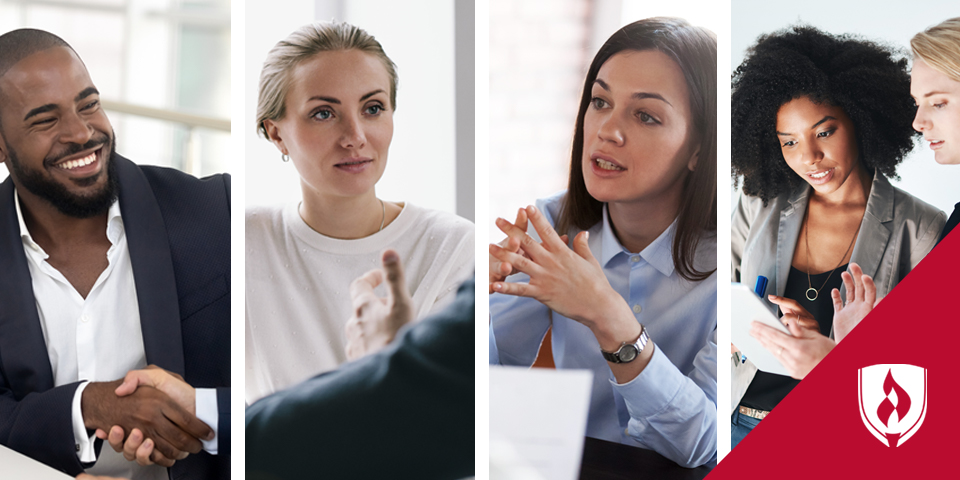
178,233
404,412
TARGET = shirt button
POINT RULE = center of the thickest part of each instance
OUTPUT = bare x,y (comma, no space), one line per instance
635,258
637,308
84,318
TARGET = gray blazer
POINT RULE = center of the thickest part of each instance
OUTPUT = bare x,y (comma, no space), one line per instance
897,231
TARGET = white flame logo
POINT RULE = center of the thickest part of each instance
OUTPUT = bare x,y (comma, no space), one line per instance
893,401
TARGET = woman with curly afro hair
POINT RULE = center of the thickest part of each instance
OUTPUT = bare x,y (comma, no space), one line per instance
820,122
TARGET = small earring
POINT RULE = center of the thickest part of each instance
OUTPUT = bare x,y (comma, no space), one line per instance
285,157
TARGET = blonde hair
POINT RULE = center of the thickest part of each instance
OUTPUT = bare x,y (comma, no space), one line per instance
939,47
302,44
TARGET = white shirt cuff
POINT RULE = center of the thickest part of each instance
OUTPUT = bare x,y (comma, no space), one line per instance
207,412
85,450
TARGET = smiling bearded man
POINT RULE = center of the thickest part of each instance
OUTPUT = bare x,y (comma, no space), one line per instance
67,203
108,267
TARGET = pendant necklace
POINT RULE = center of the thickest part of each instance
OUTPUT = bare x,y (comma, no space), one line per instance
813,293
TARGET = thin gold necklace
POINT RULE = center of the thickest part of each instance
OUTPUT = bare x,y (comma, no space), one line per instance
383,215
806,237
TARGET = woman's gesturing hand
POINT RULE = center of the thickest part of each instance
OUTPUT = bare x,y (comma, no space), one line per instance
798,353
861,298
570,282
792,308
500,270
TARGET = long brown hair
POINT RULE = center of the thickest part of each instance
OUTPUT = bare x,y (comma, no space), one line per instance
695,51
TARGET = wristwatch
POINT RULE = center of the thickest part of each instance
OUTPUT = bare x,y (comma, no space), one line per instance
628,351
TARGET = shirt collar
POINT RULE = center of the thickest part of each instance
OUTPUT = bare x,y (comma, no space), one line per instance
659,254
114,224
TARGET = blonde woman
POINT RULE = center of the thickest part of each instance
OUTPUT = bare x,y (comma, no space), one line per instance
935,87
327,97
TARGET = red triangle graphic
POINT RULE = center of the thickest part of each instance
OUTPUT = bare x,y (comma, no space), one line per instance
817,429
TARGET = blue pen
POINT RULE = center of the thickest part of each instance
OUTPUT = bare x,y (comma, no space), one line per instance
761,285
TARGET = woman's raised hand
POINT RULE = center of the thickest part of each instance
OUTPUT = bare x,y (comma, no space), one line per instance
570,282
861,298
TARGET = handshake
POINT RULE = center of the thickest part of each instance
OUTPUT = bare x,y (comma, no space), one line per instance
149,416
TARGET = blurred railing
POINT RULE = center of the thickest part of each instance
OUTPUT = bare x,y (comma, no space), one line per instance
191,155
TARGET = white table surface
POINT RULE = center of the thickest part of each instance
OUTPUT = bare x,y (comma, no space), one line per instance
16,465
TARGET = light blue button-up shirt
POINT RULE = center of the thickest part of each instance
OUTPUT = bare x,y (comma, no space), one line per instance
671,407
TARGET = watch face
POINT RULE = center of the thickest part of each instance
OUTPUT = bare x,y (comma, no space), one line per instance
628,353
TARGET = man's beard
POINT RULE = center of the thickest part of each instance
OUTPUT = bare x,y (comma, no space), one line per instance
67,203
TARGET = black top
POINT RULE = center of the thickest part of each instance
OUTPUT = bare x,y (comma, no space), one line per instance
768,389
951,222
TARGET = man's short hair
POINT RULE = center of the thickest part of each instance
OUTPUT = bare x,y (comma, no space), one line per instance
19,44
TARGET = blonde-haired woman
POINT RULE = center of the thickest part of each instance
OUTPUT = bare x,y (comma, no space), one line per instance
326,101
935,87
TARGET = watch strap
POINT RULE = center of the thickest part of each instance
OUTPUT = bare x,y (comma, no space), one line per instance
639,344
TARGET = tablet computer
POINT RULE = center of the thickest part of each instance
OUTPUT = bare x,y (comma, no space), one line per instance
746,307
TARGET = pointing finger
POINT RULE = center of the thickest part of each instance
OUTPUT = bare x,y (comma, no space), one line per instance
395,279
787,305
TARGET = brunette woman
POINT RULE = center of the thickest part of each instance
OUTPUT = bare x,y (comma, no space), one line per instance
632,295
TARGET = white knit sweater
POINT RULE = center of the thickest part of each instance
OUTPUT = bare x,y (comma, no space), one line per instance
297,285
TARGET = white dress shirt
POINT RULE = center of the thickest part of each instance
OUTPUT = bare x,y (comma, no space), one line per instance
97,338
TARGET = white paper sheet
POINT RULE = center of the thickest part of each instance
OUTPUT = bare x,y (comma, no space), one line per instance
747,307
15,465
538,419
